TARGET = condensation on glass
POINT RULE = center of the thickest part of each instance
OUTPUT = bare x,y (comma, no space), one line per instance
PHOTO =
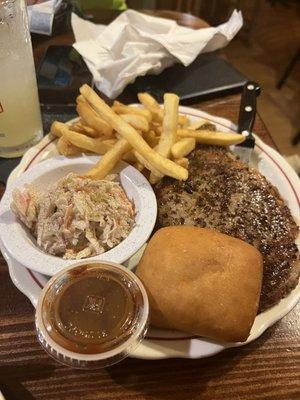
20,116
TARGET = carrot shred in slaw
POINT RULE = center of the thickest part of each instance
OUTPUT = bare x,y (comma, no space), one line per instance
77,217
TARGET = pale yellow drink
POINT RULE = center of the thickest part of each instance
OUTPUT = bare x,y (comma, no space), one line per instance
20,117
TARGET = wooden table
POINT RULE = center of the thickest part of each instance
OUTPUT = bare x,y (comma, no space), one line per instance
268,368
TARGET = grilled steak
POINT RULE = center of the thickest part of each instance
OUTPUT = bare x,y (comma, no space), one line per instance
224,194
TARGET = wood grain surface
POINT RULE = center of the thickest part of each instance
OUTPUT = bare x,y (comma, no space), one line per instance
268,368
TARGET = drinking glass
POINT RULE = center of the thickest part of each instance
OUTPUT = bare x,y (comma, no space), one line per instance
20,116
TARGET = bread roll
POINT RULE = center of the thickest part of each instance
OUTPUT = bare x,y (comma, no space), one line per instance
202,282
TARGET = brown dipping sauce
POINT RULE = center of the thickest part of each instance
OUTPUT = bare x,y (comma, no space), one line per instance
93,309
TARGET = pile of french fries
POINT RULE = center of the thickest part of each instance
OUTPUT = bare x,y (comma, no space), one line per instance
152,137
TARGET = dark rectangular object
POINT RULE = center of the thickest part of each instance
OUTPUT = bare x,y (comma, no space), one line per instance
60,74
209,76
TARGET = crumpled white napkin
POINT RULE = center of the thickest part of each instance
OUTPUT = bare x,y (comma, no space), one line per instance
41,16
135,44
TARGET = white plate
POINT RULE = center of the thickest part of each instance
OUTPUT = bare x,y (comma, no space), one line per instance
158,344
162,343
21,243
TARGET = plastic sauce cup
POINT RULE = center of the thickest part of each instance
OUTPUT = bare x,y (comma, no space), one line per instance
92,314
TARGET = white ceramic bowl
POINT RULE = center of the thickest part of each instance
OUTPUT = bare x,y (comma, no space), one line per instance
21,244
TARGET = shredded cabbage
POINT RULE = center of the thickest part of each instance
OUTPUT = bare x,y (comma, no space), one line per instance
78,217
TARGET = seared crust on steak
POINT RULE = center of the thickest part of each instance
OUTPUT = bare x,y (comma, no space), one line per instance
224,194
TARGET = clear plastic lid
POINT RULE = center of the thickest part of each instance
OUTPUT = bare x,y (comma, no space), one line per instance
92,314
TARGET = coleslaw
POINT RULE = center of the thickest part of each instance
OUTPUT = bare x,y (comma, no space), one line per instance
78,217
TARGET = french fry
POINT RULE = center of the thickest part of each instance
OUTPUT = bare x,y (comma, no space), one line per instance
149,102
198,124
168,136
91,119
155,160
150,135
169,128
84,142
152,105
86,130
137,121
77,126
184,162
145,162
183,147
80,98
56,128
212,137
66,148
182,119
157,128
120,108
151,138
109,160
